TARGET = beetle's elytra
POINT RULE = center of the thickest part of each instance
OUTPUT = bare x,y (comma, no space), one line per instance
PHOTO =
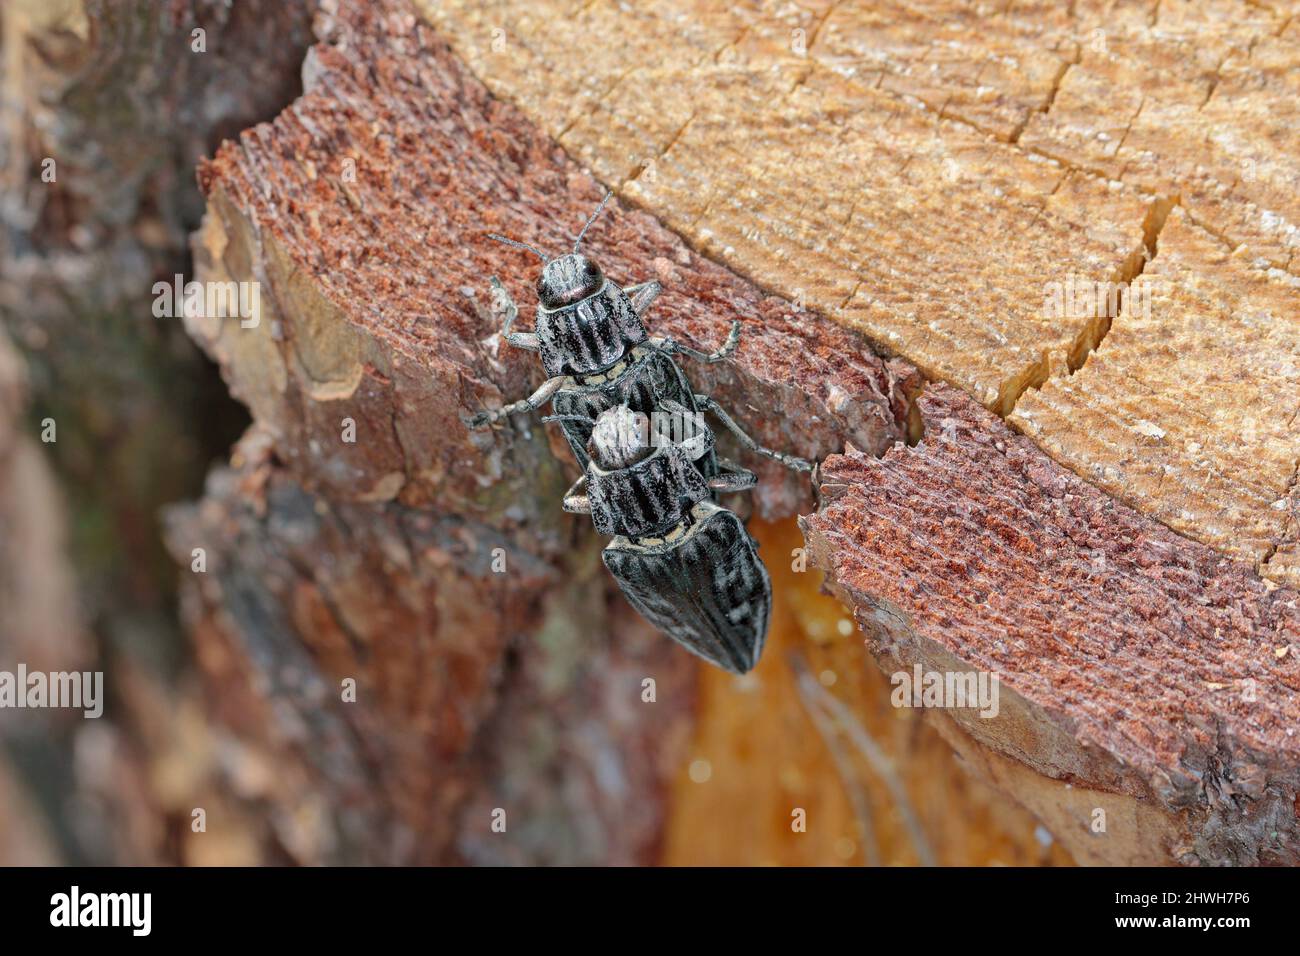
684,562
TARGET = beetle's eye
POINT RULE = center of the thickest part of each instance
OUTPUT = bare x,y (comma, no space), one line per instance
591,270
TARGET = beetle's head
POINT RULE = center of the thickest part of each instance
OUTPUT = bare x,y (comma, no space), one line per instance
567,280
585,325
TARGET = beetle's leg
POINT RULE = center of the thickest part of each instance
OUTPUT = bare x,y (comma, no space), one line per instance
672,347
575,503
642,294
709,405
523,340
535,400
733,477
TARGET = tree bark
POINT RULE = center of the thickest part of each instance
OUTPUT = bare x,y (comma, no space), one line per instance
945,180
373,559
360,508
1143,676
107,108
408,654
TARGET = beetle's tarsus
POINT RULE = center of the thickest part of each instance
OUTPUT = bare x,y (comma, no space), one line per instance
729,346
477,420
521,340
501,296
531,403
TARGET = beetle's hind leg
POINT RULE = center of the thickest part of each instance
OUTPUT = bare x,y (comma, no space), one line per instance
790,461
523,340
533,401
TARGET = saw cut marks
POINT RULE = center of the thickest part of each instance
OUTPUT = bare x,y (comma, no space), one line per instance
1204,104
927,234
928,172
366,216
1188,410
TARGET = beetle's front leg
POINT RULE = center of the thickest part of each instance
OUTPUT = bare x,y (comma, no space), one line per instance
790,461
673,347
642,294
575,503
523,340
533,401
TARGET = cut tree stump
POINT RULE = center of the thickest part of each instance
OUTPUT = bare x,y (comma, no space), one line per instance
1190,411
849,185
1142,675
363,212
930,173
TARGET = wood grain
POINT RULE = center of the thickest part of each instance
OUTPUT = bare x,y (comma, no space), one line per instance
756,755
873,208
1188,410
375,296
916,228
928,172
362,211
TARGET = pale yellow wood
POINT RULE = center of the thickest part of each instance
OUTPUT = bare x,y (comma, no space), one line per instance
928,171
1205,107
928,234
1189,408
757,754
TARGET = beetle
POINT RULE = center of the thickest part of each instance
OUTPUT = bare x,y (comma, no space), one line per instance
593,343
685,563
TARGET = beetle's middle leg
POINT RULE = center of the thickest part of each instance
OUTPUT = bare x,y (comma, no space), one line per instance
523,340
533,401
732,477
790,461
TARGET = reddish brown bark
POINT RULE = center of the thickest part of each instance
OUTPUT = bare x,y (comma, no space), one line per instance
1133,661
328,559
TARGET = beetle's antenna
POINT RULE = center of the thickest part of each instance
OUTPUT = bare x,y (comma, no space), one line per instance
522,245
577,242
565,418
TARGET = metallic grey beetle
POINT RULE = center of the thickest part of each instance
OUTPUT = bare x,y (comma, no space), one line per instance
595,348
685,563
